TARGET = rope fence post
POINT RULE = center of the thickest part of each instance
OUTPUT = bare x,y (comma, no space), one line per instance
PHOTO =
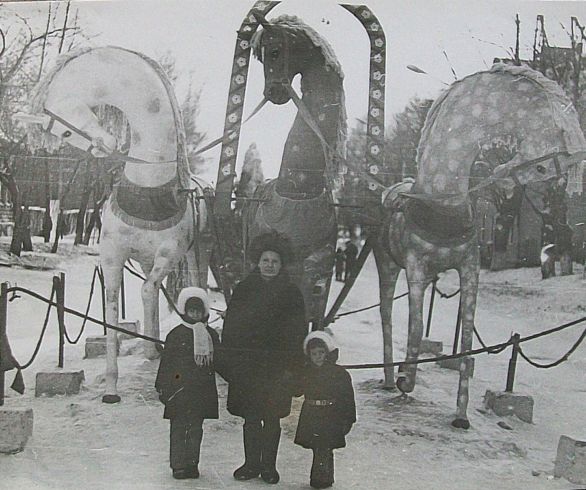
59,284
122,298
3,310
457,334
430,312
103,287
513,363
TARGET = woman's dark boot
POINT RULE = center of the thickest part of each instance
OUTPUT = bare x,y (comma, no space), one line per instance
252,451
270,447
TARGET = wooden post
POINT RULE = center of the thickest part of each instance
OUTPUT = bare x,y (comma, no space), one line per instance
59,284
513,363
103,287
122,298
348,284
3,310
431,301
458,324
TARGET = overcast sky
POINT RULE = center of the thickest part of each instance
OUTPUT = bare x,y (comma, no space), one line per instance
201,35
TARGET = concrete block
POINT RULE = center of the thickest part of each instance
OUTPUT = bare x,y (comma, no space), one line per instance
454,364
96,347
504,403
130,326
16,426
59,383
570,462
429,346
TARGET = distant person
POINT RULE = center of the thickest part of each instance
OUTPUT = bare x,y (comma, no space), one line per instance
351,254
329,409
339,264
186,381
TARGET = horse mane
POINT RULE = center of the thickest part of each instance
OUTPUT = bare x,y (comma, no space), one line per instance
115,122
295,26
552,91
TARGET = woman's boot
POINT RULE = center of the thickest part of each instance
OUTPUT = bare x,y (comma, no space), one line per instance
252,432
270,447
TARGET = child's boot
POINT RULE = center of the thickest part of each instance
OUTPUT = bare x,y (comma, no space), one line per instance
322,469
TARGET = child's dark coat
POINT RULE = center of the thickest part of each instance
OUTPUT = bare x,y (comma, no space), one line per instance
326,426
187,390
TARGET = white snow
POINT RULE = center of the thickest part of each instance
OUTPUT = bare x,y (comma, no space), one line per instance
78,442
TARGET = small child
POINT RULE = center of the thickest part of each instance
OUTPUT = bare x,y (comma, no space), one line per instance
186,381
329,409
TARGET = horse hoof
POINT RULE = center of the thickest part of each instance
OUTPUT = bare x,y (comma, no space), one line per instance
390,388
461,424
111,399
404,385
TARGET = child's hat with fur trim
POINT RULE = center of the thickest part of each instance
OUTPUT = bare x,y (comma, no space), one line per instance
192,292
325,337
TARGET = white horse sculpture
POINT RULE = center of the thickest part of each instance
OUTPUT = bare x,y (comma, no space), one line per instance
148,218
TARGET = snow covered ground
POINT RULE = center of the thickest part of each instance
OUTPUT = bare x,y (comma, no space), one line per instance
78,442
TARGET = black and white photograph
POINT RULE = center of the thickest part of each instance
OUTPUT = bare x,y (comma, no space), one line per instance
293,244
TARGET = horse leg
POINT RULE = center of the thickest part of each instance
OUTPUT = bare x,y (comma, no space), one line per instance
150,300
112,268
388,272
468,271
418,281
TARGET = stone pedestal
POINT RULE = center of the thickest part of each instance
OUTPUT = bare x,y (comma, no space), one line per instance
433,347
570,462
454,364
96,347
16,426
131,327
59,383
504,403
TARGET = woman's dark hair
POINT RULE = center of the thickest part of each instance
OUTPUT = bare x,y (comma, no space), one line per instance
272,241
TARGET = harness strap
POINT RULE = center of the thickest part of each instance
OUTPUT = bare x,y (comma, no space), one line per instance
309,119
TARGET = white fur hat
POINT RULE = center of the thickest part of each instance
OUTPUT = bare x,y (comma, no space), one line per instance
192,292
325,337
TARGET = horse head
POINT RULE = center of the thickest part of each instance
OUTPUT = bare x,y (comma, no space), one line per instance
76,124
288,47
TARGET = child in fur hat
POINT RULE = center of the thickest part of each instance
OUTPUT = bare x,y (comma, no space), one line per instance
329,409
186,381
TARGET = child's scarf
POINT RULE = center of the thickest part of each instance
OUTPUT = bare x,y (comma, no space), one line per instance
203,346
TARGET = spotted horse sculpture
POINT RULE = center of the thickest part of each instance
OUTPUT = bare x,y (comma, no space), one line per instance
429,224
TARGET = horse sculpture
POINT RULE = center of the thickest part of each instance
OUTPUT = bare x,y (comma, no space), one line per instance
429,224
299,203
149,216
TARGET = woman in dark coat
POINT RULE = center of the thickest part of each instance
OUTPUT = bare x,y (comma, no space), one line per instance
329,409
262,345
186,381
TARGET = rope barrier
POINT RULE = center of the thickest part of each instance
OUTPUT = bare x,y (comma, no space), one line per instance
564,358
81,315
446,296
340,315
87,310
45,323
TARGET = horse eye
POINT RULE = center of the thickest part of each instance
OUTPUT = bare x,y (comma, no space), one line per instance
541,169
274,53
66,134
